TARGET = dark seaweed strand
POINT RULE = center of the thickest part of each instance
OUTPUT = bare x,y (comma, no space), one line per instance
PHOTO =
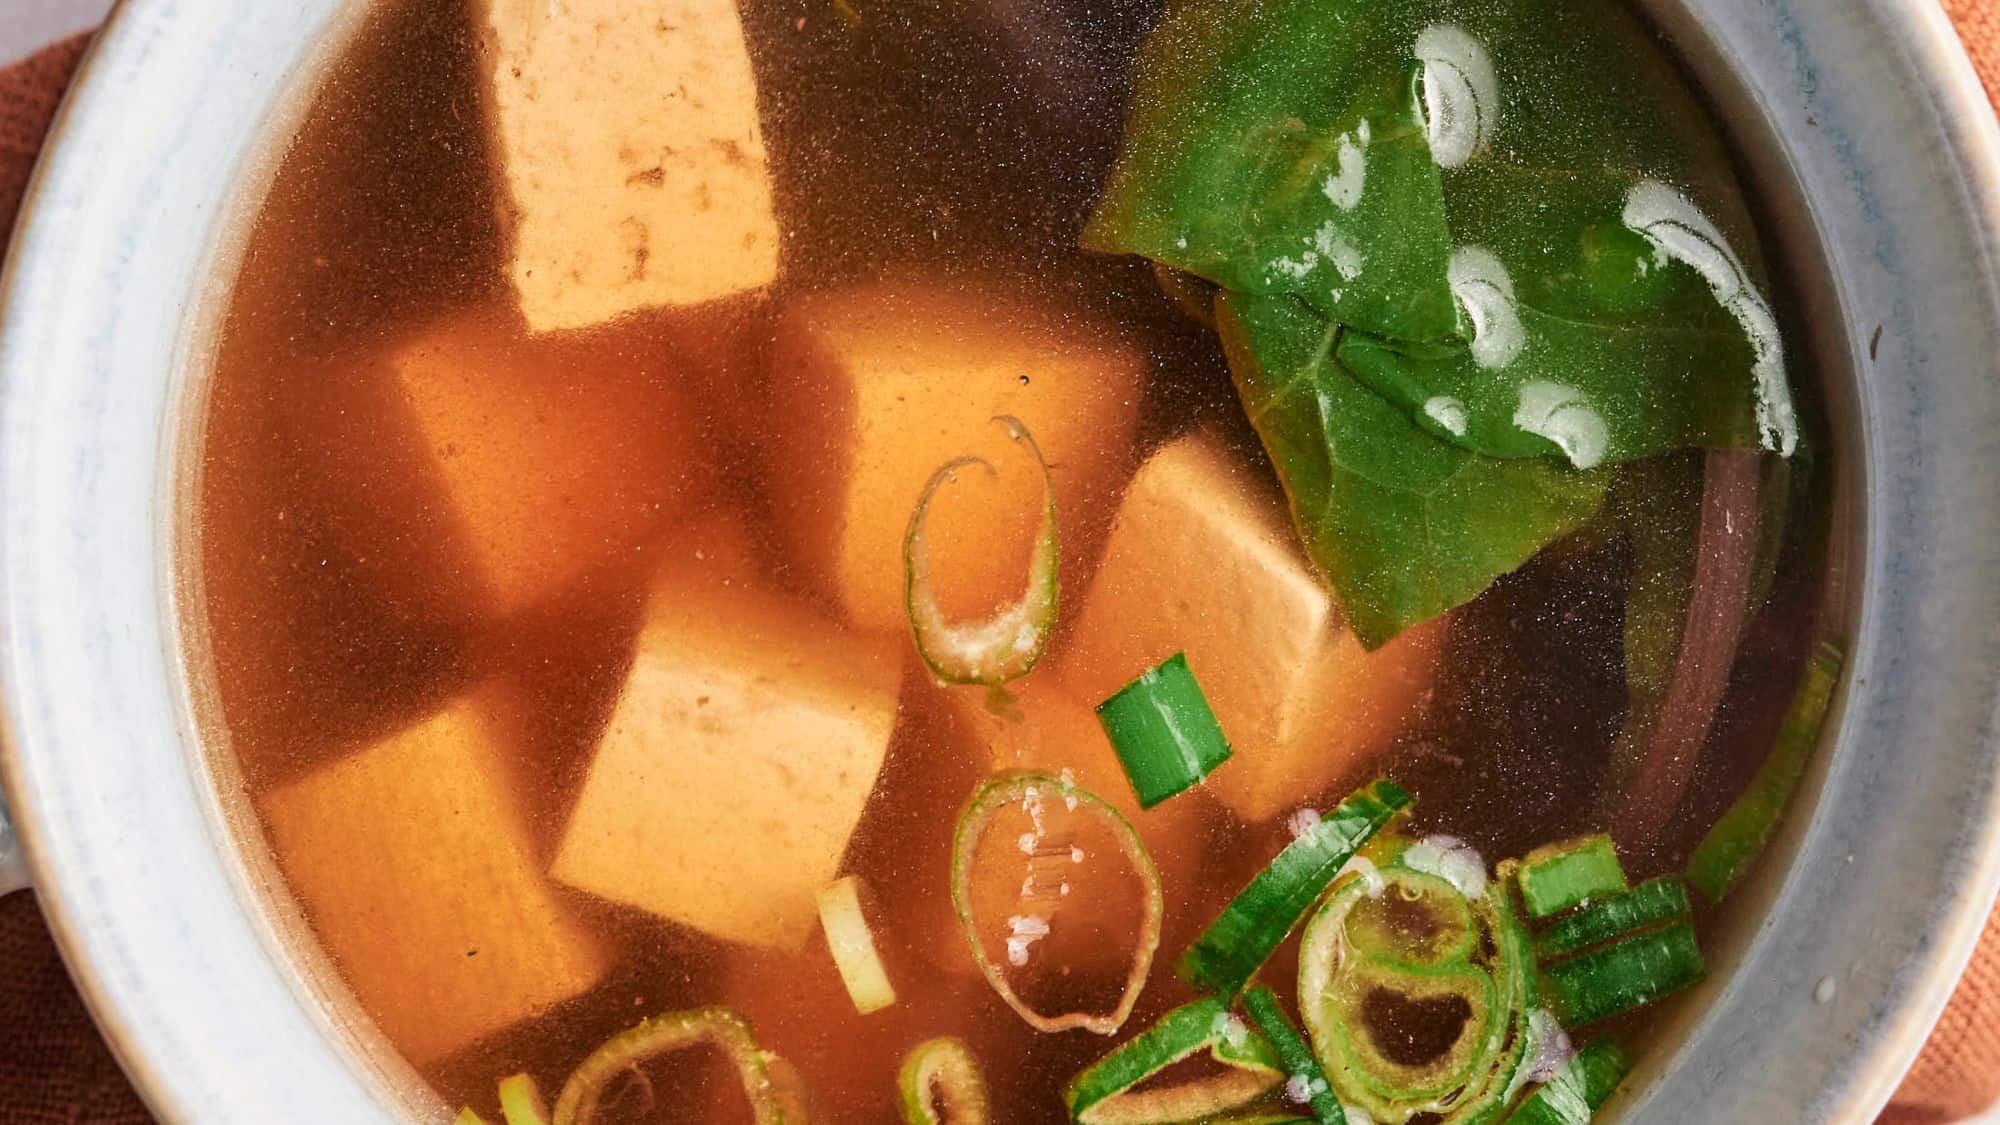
1737,839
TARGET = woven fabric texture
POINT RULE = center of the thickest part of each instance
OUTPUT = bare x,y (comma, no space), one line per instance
54,1070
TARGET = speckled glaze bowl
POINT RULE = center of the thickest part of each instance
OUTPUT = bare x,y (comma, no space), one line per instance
1878,163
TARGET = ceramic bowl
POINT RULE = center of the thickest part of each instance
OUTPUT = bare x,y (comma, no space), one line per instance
1877,161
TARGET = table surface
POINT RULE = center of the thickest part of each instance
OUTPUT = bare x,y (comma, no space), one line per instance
28,24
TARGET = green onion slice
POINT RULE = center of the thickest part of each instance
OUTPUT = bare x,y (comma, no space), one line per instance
1557,877
468,1116
1398,948
1164,731
940,1084
1629,973
1578,1091
1008,644
764,1076
1029,787
1644,906
1304,1076
1745,830
1258,919
1104,1095
521,1101
853,946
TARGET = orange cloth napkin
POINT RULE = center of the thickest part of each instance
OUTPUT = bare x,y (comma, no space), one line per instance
55,1071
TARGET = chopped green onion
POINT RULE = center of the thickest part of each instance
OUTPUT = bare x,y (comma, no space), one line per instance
1578,1091
763,1075
1304,1074
1165,734
1559,876
521,1101
853,946
1103,1094
1013,786
1395,943
940,1084
467,1116
1642,907
1258,919
1006,645
1627,974
1745,830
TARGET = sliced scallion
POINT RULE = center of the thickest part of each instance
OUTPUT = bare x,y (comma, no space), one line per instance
1258,919
1398,941
1303,1075
1578,1091
1626,974
1745,829
521,1101
772,1102
467,1116
1021,786
1103,1094
1008,644
1644,906
1559,876
1164,731
940,1084
853,946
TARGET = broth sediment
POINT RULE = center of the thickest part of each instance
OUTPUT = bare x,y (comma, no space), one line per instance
933,155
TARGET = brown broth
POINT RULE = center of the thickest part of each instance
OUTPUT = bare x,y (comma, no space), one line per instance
922,139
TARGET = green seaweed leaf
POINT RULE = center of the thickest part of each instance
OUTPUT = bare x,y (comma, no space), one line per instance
1404,525
1465,249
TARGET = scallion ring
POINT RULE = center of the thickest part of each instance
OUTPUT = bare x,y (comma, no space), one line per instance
1103,1094
771,1103
1008,644
1257,920
940,1084
1014,786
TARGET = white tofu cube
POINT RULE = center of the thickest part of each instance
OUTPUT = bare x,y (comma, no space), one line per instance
1202,560
626,139
737,759
414,862
481,472
874,388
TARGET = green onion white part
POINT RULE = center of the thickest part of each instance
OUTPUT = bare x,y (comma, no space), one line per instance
521,1101
853,946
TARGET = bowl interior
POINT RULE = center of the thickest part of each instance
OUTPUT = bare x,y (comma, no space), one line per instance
1881,210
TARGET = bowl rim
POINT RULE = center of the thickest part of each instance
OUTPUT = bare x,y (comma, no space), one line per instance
1929,54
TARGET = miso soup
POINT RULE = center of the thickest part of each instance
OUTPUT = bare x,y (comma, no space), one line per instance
1058,560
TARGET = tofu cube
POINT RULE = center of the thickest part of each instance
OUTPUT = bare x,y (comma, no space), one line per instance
495,470
738,757
1201,559
414,861
875,388
626,138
